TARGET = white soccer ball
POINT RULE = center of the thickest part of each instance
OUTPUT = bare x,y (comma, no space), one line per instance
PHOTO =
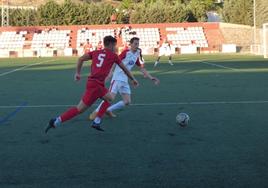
182,119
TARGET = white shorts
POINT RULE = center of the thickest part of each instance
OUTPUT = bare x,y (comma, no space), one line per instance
164,51
119,86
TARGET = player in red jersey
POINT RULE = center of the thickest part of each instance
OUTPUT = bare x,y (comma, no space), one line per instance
102,62
87,47
99,46
119,83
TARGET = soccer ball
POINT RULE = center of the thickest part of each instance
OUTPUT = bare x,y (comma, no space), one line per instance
182,119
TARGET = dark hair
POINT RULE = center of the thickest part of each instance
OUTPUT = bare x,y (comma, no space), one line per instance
107,40
87,40
133,39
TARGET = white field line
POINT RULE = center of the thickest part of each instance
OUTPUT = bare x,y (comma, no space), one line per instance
220,66
148,104
207,63
25,67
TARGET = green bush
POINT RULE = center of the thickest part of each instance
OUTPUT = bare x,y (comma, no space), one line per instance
238,11
88,12
159,12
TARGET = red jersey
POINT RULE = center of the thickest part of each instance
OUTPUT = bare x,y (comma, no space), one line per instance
102,62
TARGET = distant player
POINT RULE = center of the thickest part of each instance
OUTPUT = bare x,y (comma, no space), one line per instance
119,83
165,49
87,47
99,46
102,62
125,46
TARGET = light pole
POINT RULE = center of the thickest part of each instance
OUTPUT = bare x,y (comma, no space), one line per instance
5,13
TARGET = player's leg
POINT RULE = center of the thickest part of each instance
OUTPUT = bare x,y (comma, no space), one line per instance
94,114
168,54
108,97
157,60
113,90
89,97
123,88
126,100
67,115
170,59
125,93
161,53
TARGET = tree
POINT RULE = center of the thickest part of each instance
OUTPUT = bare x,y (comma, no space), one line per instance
261,12
124,10
99,13
238,11
198,9
23,17
49,14
159,12
69,12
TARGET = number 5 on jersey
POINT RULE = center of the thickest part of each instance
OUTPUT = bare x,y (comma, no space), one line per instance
101,60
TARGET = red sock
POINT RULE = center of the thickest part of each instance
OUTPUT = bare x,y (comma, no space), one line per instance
69,114
103,109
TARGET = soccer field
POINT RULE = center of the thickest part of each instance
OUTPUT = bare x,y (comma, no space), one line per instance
225,144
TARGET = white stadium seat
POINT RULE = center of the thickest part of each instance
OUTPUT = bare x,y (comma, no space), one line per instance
185,36
53,38
12,40
94,36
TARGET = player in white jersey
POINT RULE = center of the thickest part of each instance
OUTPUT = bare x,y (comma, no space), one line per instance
165,49
119,82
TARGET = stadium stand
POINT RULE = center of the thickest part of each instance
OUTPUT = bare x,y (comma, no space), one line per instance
94,36
54,38
187,36
69,40
12,40
149,37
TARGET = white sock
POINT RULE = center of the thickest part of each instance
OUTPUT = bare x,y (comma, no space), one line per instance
170,62
57,122
98,108
156,63
116,106
97,120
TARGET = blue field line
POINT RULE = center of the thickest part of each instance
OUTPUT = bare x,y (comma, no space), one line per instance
13,113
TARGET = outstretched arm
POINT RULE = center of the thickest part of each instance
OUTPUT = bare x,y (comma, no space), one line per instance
144,71
80,62
148,75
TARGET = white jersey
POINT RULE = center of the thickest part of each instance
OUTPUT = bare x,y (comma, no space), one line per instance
165,49
166,46
129,59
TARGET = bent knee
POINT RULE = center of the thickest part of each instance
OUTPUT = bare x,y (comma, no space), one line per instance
109,98
81,110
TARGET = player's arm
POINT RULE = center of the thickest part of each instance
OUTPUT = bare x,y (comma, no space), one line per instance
144,71
110,73
80,62
149,76
129,75
141,59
